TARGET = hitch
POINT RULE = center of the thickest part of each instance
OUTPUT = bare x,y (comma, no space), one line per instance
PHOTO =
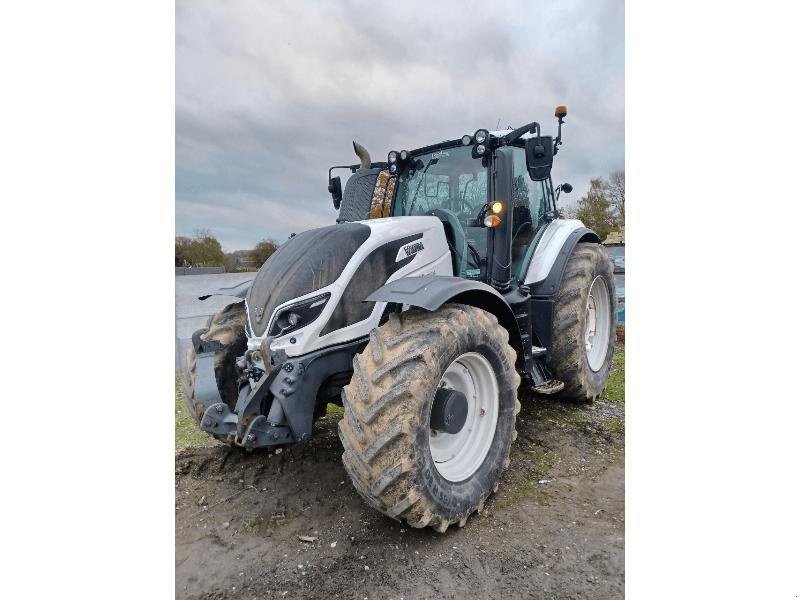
258,433
245,425
277,409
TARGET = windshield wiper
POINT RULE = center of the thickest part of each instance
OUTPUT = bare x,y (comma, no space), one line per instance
432,161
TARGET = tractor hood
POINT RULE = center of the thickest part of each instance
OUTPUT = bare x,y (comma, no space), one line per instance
305,263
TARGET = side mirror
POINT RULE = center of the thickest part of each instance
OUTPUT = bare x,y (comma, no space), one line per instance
566,188
539,156
335,188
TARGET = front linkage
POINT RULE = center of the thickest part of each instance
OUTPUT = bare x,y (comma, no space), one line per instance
275,405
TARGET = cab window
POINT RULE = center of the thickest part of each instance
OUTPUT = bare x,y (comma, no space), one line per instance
529,203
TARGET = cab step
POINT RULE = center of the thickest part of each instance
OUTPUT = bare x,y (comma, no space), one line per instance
552,386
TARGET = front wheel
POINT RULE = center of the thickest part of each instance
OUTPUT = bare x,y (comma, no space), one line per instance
225,329
430,414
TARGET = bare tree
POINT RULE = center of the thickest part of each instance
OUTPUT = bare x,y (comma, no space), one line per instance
594,209
615,192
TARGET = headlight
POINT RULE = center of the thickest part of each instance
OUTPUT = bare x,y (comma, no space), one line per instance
392,157
298,315
480,149
481,136
393,168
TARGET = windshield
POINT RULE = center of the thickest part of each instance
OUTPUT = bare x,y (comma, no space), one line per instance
452,185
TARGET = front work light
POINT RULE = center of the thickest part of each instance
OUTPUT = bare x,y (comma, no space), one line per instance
298,315
466,140
393,168
480,150
392,157
404,155
491,221
497,207
481,136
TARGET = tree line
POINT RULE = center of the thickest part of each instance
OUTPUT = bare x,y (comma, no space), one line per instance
602,209
204,250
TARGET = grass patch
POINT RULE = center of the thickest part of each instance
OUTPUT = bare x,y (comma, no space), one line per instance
614,426
187,433
541,461
334,410
615,388
569,415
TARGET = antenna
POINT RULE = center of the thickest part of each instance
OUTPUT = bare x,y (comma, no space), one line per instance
498,124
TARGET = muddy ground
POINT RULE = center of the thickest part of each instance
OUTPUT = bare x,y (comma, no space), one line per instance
554,529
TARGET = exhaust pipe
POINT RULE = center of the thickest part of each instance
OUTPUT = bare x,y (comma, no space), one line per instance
362,153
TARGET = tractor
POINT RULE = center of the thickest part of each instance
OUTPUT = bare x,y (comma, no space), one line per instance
449,283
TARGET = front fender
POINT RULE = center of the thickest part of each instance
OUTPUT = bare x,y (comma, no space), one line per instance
235,291
432,291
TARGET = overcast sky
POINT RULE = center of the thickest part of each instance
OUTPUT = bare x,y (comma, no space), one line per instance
270,94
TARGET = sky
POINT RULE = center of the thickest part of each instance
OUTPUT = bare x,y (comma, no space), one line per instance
269,95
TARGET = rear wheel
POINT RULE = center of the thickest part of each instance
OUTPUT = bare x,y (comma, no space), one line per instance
430,414
584,323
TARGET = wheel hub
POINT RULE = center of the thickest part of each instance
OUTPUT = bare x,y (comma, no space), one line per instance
449,411
597,329
468,393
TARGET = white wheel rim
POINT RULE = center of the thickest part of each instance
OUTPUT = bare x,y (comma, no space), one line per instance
458,455
598,323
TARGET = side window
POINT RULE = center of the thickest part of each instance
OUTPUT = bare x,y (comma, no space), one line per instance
529,204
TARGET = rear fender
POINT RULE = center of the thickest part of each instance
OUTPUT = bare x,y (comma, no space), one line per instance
546,270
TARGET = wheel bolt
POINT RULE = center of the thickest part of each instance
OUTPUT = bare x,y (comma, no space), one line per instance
251,437
219,408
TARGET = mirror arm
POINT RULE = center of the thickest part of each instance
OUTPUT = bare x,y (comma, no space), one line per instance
353,169
557,142
513,136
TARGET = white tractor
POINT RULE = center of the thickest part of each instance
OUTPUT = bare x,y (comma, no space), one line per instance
448,283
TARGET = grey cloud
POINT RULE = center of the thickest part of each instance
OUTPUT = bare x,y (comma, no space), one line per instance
269,95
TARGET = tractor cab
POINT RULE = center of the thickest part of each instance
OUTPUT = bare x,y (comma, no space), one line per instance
492,191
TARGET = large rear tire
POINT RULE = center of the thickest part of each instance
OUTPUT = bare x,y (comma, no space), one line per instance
584,324
227,328
397,463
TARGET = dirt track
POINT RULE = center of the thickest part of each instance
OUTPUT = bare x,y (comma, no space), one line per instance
239,515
